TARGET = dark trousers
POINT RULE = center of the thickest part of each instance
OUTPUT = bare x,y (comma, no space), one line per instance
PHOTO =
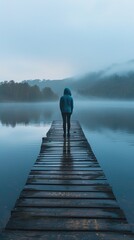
66,122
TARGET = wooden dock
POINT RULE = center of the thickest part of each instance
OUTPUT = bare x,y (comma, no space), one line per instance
66,196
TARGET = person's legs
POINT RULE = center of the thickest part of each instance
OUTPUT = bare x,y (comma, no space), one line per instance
68,123
64,123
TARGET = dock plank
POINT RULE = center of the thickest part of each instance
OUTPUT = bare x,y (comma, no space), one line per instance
78,203
66,195
95,188
64,235
66,224
92,176
96,213
40,181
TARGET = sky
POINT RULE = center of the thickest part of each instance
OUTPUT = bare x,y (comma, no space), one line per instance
55,39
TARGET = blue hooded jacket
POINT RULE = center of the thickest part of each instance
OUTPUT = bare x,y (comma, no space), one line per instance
66,102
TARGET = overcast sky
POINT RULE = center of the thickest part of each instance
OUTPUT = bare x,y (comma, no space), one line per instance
55,39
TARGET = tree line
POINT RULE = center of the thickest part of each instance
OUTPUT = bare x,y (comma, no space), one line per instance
112,87
22,92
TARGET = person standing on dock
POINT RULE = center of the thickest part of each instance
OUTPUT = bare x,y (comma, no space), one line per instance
66,107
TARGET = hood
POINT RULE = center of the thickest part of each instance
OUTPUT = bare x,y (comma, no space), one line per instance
67,91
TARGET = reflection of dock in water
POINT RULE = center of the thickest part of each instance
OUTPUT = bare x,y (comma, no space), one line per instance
67,196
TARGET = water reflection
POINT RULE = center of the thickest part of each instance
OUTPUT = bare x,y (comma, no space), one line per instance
66,159
13,114
23,143
113,119
93,116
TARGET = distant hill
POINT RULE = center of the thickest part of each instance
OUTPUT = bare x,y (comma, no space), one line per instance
114,82
112,87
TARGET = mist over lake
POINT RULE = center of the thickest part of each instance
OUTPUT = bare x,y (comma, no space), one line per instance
108,126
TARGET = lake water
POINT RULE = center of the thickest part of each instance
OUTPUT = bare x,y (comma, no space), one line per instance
109,127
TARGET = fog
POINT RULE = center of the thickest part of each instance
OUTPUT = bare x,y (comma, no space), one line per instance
124,68
58,39
93,115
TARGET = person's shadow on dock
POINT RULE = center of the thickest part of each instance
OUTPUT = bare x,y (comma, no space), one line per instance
66,161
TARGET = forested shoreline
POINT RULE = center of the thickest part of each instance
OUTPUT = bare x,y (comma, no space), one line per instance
22,92
97,85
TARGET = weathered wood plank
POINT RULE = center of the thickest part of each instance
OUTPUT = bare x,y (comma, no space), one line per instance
50,159
50,144
65,182
66,160
78,150
92,176
80,173
68,188
75,195
66,164
72,169
69,224
78,203
96,213
66,235
66,156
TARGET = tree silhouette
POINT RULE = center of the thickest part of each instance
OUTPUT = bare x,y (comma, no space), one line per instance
23,92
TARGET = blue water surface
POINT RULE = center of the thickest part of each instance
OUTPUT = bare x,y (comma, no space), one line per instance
108,126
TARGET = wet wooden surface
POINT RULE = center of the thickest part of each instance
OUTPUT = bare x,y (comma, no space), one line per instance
67,195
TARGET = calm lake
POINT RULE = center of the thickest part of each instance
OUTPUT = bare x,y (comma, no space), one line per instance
108,126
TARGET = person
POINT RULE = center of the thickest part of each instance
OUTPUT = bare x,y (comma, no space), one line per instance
66,107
